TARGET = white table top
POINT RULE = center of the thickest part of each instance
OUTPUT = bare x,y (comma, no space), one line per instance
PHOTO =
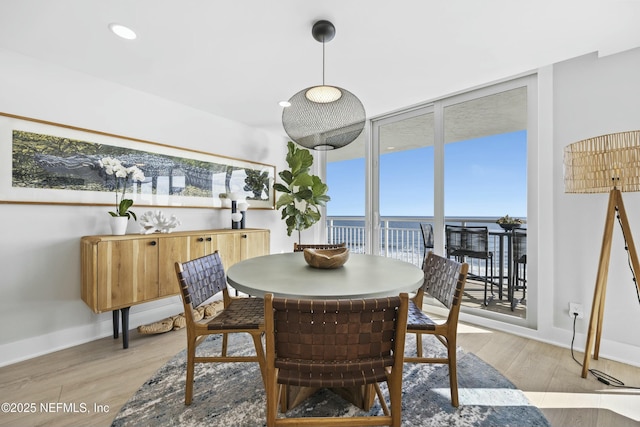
288,275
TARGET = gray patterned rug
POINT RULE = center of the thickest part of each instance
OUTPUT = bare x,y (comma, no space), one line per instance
232,394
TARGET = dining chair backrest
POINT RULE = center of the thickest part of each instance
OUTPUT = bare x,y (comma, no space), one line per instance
200,279
519,241
444,279
300,248
427,235
336,343
464,241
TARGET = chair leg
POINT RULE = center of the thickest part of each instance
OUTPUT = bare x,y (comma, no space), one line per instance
453,373
395,399
419,345
257,343
225,338
191,356
486,282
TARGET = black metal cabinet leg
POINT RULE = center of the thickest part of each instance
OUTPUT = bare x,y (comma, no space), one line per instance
125,327
116,323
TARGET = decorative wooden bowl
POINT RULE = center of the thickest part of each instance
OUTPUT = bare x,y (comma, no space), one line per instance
326,258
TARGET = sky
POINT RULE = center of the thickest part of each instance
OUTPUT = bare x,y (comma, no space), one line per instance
483,177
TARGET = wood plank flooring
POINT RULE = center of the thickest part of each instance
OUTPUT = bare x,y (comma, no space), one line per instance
102,373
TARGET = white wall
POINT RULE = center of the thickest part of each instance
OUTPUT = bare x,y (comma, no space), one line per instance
40,305
595,96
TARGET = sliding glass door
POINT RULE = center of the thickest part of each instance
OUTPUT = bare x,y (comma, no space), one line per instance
457,160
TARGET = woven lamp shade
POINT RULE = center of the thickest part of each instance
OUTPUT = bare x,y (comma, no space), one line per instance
324,125
597,165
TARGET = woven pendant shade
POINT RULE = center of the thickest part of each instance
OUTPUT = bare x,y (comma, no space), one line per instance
597,165
323,117
324,125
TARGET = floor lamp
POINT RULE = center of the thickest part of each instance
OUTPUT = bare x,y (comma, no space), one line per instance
605,164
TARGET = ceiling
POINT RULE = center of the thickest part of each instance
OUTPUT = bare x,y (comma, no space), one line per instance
239,58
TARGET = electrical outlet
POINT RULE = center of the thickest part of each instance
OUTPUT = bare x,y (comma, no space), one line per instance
574,307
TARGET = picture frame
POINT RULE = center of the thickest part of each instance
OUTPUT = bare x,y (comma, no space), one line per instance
43,162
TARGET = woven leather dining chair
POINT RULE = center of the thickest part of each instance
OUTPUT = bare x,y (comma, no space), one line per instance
462,243
300,248
335,343
444,279
200,279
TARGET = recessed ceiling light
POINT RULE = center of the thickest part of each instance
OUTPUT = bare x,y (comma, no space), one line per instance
122,31
391,147
284,104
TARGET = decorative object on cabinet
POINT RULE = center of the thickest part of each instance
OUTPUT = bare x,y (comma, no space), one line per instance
46,162
118,225
243,207
303,194
151,222
118,272
121,176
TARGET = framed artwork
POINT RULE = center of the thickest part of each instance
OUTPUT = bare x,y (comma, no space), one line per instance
49,163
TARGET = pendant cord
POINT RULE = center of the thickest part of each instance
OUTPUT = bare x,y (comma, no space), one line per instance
322,60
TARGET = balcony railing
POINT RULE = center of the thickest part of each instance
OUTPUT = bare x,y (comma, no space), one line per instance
401,238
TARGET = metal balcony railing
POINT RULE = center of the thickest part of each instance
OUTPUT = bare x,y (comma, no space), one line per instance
401,238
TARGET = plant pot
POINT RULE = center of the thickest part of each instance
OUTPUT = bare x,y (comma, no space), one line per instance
509,227
118,225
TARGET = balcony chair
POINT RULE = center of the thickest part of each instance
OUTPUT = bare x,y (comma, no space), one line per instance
356,344
519,254
200,279
427,239
444,280
463,243
301,248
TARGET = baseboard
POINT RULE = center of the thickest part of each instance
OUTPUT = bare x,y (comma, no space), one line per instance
29,348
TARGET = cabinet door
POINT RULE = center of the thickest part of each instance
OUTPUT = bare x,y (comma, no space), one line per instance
127,272
227,244
201,245
172,250
253,244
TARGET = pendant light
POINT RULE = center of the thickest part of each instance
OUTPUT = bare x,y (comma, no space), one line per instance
323,117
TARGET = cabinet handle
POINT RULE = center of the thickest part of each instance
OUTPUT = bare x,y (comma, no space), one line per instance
244,236
208,239
153,243
200,239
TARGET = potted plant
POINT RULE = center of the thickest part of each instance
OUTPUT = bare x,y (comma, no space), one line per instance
509,223
121,176
302,193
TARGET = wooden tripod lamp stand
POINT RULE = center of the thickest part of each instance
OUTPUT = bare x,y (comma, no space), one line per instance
605,164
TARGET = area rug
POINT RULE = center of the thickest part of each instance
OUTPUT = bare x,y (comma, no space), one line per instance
232,394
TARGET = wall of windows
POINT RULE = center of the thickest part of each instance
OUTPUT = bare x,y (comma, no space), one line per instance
458,159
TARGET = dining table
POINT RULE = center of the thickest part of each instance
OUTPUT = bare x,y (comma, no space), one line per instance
287,275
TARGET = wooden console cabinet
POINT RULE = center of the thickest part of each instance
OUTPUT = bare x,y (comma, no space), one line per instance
121,271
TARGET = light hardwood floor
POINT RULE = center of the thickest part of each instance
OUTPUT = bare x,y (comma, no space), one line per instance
102,373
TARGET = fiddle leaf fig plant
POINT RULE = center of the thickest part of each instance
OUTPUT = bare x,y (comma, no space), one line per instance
302,193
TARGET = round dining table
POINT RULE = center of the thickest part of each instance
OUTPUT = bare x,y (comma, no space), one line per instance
288,275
